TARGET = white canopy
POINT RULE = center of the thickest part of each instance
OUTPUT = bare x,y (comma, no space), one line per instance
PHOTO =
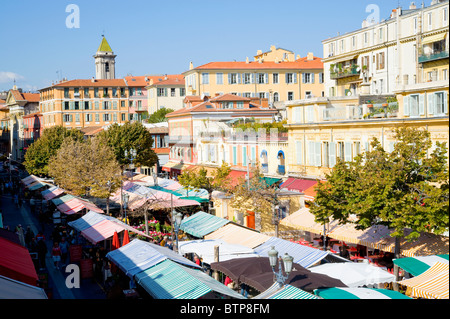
204,248
13,289
354,274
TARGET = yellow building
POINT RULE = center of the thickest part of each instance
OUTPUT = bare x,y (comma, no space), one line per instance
274,75
85,103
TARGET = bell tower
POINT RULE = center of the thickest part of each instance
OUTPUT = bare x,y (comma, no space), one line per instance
105,62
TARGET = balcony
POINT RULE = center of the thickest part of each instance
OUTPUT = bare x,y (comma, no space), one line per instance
345,73
433,56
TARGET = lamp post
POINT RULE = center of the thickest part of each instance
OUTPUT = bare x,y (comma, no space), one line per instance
287,261
126,197
176,220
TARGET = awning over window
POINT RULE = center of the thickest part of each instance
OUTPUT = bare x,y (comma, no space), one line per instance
236,177
299,185
434,38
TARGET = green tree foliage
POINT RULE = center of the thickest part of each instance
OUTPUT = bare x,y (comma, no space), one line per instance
256,126
131,143
39,153
218,180
402,189
159,116
83,168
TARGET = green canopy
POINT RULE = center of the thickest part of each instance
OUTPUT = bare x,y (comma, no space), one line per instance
159,188
418,265
358,293
271,180
196,198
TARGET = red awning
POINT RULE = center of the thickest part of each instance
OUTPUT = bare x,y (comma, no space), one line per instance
298,185
236,177
16,263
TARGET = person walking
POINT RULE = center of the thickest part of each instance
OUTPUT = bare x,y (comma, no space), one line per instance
29,235
64,246
56,254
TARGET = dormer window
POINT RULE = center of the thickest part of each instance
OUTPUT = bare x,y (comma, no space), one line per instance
227,105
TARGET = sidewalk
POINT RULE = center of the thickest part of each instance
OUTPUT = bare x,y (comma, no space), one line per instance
12,216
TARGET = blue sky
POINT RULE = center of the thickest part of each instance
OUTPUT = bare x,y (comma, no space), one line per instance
162,37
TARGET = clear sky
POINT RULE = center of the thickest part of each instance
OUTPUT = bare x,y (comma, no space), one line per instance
162,37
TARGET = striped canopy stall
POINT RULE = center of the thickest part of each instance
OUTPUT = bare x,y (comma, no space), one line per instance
303,255
75,205
286,292
139,255
358,293
86,221
418,265
37,185
303,219
30,180
432,284
52,192
379,237
169,280
61,200
101,231
201,224
234,234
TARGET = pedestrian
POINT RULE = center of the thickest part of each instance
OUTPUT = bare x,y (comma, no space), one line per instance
56,254
29,235
64,246
42,252
197,260
19,232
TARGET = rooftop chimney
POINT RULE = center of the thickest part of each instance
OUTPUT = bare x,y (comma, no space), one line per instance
246,60
412,6
191,65
93,80
310,56
273,48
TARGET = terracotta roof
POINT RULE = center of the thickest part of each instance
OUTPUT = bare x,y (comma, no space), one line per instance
91,130
145,80
192,98
301,63
230,97
176,81
29,97
91,83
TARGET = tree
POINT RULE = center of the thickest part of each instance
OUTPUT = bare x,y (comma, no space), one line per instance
159,116
257,196
83,168
131,143
39,153
200,179
404,189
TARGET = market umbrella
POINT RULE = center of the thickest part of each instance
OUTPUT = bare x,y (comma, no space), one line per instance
126,238
115,245
257,273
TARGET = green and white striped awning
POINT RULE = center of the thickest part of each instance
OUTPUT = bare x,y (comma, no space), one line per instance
418,265
169,280
286,292
358,293
202,224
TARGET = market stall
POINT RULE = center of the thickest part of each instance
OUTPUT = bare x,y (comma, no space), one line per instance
358,293
13,289
139,255
355,274
170,280
205,249
202,224
235,234
418,265
285,292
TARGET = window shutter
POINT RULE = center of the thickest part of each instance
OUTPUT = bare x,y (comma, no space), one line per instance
406,106
332,154
311,152
229,78
299,152
238,78
445,102
312,78
303,77
318,153
348,151
295,78
244,156
310,113
422,104
252,78
234,156
70,118
286,78
431,103
266,78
